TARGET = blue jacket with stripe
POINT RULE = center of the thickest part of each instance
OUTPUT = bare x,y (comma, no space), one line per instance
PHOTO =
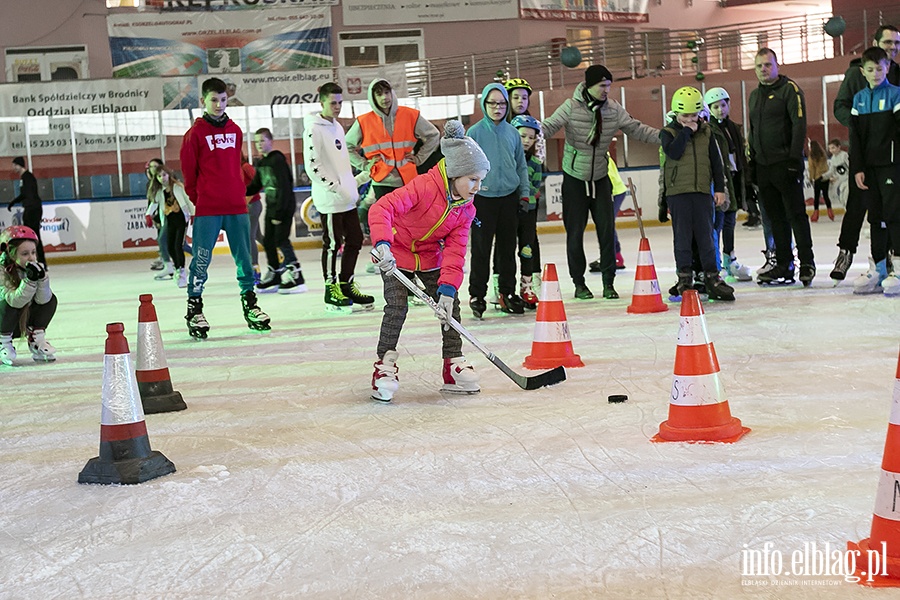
875,127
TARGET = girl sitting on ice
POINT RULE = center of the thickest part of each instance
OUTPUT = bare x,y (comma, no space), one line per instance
423,228
26,303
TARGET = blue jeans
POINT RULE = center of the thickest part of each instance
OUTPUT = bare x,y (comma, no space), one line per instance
723,229
206,231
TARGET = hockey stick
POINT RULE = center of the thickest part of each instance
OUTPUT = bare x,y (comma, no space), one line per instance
533,382
637,210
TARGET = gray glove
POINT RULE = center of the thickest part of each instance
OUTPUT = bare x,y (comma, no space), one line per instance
385,260
444,310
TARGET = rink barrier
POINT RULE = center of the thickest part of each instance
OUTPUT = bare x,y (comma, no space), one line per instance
552,344
646,296
884,538
125,453
152,371
698,409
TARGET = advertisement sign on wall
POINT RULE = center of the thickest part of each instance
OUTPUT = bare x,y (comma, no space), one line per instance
372,12
190,43
615,11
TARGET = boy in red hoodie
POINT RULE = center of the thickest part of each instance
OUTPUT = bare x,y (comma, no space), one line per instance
211,164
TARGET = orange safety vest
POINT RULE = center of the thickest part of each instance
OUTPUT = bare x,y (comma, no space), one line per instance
376,141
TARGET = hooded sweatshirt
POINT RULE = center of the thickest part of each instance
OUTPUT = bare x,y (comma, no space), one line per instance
503,147
211,165
328,165
360,140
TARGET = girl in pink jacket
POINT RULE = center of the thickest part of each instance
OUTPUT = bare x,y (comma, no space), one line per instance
423,229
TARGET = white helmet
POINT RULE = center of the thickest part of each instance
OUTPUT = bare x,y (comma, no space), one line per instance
715,94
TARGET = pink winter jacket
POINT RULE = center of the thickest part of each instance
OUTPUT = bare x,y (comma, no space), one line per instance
425,229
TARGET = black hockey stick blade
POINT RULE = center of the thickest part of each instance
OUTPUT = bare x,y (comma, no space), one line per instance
532,382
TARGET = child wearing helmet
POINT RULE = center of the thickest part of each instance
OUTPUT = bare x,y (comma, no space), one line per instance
26,303
529,129
692,165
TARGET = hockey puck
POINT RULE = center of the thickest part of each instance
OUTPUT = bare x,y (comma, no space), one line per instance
617,398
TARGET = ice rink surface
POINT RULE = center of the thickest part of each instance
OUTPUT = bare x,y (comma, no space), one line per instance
292,483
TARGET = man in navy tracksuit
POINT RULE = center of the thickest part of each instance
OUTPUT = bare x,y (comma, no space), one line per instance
875,164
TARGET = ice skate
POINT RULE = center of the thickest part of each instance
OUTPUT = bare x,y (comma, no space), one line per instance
609,292
735,270
197,325
494,298
891,285
807,274
527,293
780,275
7,350
752,222
770,263
253,314
336,301
582,292
182,278
385,382
620,261
361,302
411,298
478,306
841,265
718,289
292,281
460,376
157,265
594,266
41,349
270,281
511,304
168,273
871,281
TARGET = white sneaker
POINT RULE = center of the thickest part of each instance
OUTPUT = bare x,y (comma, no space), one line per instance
7,350
182,278
869,282
891,285
384,380
460,376
41,350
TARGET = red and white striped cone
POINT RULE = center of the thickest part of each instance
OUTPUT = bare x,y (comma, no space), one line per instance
125,454
646,297
698,410
552,346
152,373
879,558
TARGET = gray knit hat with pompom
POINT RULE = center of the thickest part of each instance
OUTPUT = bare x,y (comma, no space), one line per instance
462,154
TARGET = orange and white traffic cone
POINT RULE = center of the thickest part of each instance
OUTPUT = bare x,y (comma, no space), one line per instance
698,411
879,555
154,382
552,346
125,454
646,297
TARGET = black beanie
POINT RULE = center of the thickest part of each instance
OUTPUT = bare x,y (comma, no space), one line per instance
594,74
19,161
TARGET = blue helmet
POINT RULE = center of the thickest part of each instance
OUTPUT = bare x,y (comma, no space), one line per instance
526,121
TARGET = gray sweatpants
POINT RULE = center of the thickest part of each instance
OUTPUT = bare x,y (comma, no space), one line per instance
396,307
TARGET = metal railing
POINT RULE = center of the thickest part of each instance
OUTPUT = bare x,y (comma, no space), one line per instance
648,53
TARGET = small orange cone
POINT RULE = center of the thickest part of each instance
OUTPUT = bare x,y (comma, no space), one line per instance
125,454
152,372
879,554
646,297
698,411
552,346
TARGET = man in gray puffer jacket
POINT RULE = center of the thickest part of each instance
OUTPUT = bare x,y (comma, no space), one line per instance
591,120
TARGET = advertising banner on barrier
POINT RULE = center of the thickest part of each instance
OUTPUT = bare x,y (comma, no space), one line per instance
135,233
181,5
269,89
614,11
190,43
373,12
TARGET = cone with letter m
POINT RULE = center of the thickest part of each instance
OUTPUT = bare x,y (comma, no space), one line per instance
878,560
552,345
698,410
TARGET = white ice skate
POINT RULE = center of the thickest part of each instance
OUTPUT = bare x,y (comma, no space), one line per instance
168,272
41,349
891,285
736,270
494,297
384,380
460,376
870,282
7,350
182,278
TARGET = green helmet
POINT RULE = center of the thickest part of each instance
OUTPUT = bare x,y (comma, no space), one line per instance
716,94
512,84
687,100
